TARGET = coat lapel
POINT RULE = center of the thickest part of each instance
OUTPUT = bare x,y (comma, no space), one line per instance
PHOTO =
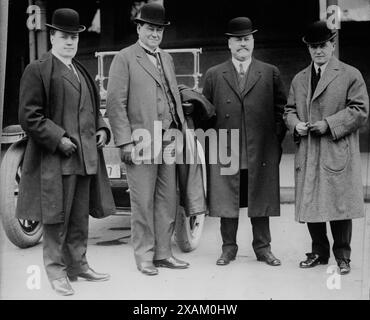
143,60
254,74
71,78
229,75
330,73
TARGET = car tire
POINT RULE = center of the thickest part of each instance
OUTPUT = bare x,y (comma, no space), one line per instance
22,233
188,230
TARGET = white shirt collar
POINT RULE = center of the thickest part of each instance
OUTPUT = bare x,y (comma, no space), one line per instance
245,64
322,67
147,48
67,62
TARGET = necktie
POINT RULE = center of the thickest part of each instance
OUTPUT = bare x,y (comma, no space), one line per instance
241,76
74,71
315,79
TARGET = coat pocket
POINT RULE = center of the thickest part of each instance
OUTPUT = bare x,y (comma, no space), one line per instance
335,154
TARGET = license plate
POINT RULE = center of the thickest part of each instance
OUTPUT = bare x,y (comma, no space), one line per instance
114,171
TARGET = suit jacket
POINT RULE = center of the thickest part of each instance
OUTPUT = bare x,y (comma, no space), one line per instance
134,94
41,106
328,168
262,102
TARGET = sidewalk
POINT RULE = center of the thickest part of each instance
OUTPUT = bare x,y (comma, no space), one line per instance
287,177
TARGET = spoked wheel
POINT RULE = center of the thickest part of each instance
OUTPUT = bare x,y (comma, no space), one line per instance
23,233
188,230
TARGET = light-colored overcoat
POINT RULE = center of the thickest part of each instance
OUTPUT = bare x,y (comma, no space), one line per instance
328,178
262,101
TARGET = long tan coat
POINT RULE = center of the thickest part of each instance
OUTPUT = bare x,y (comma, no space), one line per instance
328,168
262,102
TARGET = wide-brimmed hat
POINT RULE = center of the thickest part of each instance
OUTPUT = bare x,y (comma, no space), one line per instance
66,20
152,13
239,27
317,33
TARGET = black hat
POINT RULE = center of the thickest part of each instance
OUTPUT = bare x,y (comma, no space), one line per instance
66,20
152,13
238,27
318,32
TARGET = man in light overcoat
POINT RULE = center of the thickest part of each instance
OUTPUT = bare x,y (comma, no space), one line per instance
327,104
142,96
249,98
63,174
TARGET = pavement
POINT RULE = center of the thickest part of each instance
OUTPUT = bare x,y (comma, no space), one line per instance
245,278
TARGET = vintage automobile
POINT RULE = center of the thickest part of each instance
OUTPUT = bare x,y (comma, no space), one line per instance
25,233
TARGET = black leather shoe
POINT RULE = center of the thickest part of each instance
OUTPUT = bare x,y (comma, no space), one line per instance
313,259
147,268
62,287
90,275
172,263
270,259
344,267
224,259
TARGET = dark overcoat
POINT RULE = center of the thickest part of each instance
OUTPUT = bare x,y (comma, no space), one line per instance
328,178
262,102
41,190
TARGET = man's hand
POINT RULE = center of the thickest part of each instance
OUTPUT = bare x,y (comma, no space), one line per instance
319,127
302,128
126,151
101,138
66,146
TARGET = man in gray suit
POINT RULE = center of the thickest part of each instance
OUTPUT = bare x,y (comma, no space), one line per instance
143,94
63,166
327,104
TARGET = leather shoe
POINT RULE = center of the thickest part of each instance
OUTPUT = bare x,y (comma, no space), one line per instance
313,259
344,267
62,287
270,259
90,275
172,263
224,259
147,268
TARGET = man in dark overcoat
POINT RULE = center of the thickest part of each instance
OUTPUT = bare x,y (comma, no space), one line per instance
327,104
249,97
63,175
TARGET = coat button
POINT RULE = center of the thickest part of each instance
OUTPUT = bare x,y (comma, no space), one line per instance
263,164
228,101
227,115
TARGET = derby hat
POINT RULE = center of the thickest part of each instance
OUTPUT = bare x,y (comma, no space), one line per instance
152,13
317,33
66,20
239,27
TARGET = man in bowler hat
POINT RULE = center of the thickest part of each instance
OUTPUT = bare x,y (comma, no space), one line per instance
142,94
249,97
327,104
63,175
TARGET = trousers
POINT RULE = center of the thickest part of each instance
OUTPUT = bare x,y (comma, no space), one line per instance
65,244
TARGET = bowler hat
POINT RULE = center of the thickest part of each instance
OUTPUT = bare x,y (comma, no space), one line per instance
66,20
152,13
238,27
317,33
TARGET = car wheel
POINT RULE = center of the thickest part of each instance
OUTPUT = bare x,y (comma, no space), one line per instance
188,230
22,233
